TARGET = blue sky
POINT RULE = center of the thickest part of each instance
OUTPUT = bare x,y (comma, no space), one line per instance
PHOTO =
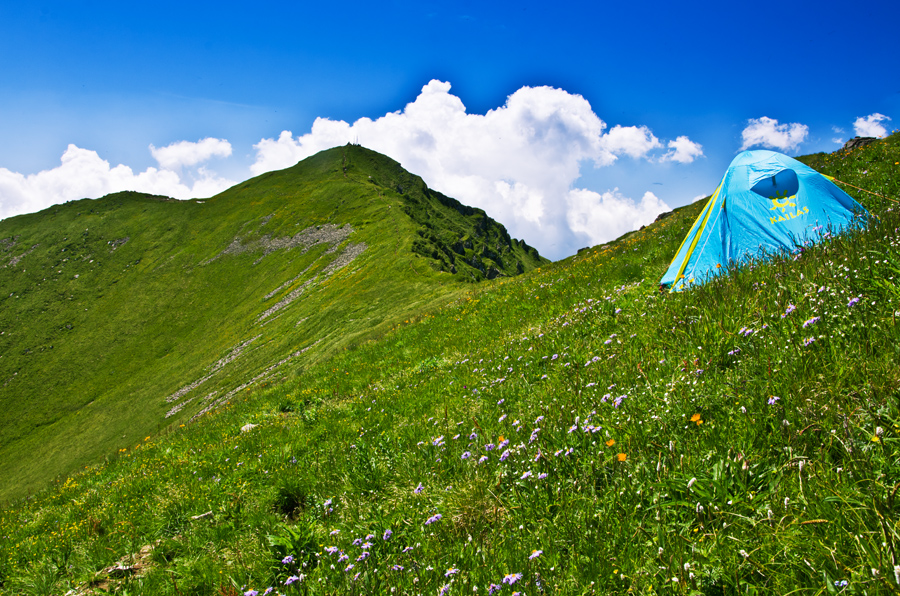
557,118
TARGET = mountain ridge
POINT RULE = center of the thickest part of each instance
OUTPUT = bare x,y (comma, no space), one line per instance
120,302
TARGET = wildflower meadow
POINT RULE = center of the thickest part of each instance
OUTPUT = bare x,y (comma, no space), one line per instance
569,431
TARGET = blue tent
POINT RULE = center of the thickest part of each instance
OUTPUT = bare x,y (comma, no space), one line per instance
767,202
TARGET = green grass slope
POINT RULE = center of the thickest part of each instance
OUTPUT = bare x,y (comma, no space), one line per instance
567,431
123,316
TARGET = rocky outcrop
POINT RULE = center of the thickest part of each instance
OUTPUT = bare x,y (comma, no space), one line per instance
305,239
857,142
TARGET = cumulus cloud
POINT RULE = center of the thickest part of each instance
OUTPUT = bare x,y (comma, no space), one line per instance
870,126
610,214
766,132
518,162
635,141
683,150
83,174
186,153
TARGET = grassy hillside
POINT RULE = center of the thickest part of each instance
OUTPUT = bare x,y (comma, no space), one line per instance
128,315
567,431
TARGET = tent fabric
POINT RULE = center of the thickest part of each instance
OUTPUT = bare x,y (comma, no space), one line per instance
767,202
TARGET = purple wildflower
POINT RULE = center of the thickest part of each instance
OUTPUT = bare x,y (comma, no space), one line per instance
811,321
511,578
773,399
291,580
343,557
419,489
790,308
451,571
482,459
490,447
465,455
502,418
433,518
503,443
853,302
251,593
406,550
573,428
363,556
618,400
473,436
287,560
493,588
808,341
387,534
542,475
397,567
444,589
504,455
525,475
535,554
348,567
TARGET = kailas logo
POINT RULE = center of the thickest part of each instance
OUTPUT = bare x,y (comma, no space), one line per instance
785,202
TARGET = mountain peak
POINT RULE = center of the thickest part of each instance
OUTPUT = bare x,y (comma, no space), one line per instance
178,305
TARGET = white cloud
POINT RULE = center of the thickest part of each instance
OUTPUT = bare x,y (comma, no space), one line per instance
186,153
683,150
766,132
837,141
518,162
83,174
870,126
609,215
635,141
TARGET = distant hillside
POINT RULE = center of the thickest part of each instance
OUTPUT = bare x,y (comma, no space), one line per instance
130,314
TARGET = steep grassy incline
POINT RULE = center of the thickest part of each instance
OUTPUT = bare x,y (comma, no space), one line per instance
569,431
130,314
